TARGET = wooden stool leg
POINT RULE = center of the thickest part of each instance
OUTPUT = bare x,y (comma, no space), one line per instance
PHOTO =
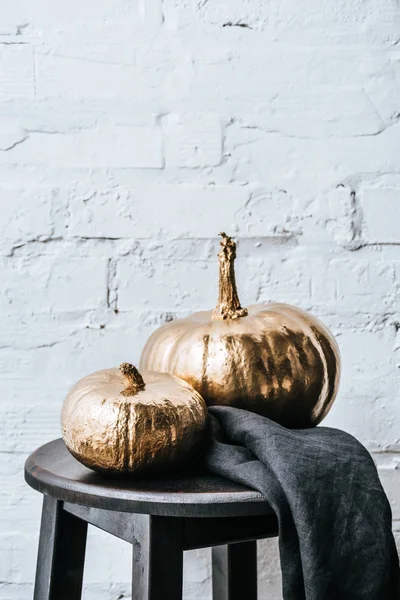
157,571
61,554
234,571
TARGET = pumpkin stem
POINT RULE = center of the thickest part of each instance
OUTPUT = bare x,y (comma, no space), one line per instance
228,305
134,382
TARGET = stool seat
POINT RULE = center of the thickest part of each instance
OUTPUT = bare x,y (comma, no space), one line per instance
159,518
52,470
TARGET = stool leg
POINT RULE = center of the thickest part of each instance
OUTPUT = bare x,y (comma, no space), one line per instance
61,554
234,571
157,569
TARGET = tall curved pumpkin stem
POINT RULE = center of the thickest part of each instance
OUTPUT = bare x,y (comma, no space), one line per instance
134,380
228,305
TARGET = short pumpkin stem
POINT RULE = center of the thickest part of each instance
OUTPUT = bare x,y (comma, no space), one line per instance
228,305
134,382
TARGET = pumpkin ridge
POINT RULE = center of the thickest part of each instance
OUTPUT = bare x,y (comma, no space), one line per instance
314,340
231,346
204,365
126,435
329,366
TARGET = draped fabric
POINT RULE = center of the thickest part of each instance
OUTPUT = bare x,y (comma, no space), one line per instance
335,535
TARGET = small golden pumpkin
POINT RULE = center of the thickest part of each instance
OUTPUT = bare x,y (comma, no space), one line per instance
117,421
272,359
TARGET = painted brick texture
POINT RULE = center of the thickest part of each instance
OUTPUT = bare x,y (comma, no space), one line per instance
131,133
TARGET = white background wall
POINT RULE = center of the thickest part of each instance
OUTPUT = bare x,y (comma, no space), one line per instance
131,133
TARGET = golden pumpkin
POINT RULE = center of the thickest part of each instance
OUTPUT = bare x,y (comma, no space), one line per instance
117,421
272,359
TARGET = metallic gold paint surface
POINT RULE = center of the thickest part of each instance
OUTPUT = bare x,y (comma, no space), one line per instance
109,431
228,305
272,359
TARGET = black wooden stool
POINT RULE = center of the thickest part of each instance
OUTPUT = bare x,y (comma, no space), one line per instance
160,519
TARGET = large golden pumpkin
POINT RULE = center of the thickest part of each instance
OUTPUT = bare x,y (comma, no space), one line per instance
272,359
117,421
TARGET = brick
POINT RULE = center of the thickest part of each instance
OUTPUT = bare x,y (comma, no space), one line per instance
31,426
389,475
31,330
26,213
290,282
322,112
363,408
193,140
272,213
113,565
95,19
381,215
312,165
105,591
14,18
106,147
15,591
341,217
11,133
87,72
21,119
353,282
152,12
16,494
269,578
16,72
6,572
76,16
317,24
368,353
167,211
301,67
382,81
288,14
142,284
58,284
22,552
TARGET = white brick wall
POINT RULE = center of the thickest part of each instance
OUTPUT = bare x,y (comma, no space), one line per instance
131,133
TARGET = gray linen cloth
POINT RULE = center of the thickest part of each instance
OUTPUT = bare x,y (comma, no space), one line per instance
335,535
